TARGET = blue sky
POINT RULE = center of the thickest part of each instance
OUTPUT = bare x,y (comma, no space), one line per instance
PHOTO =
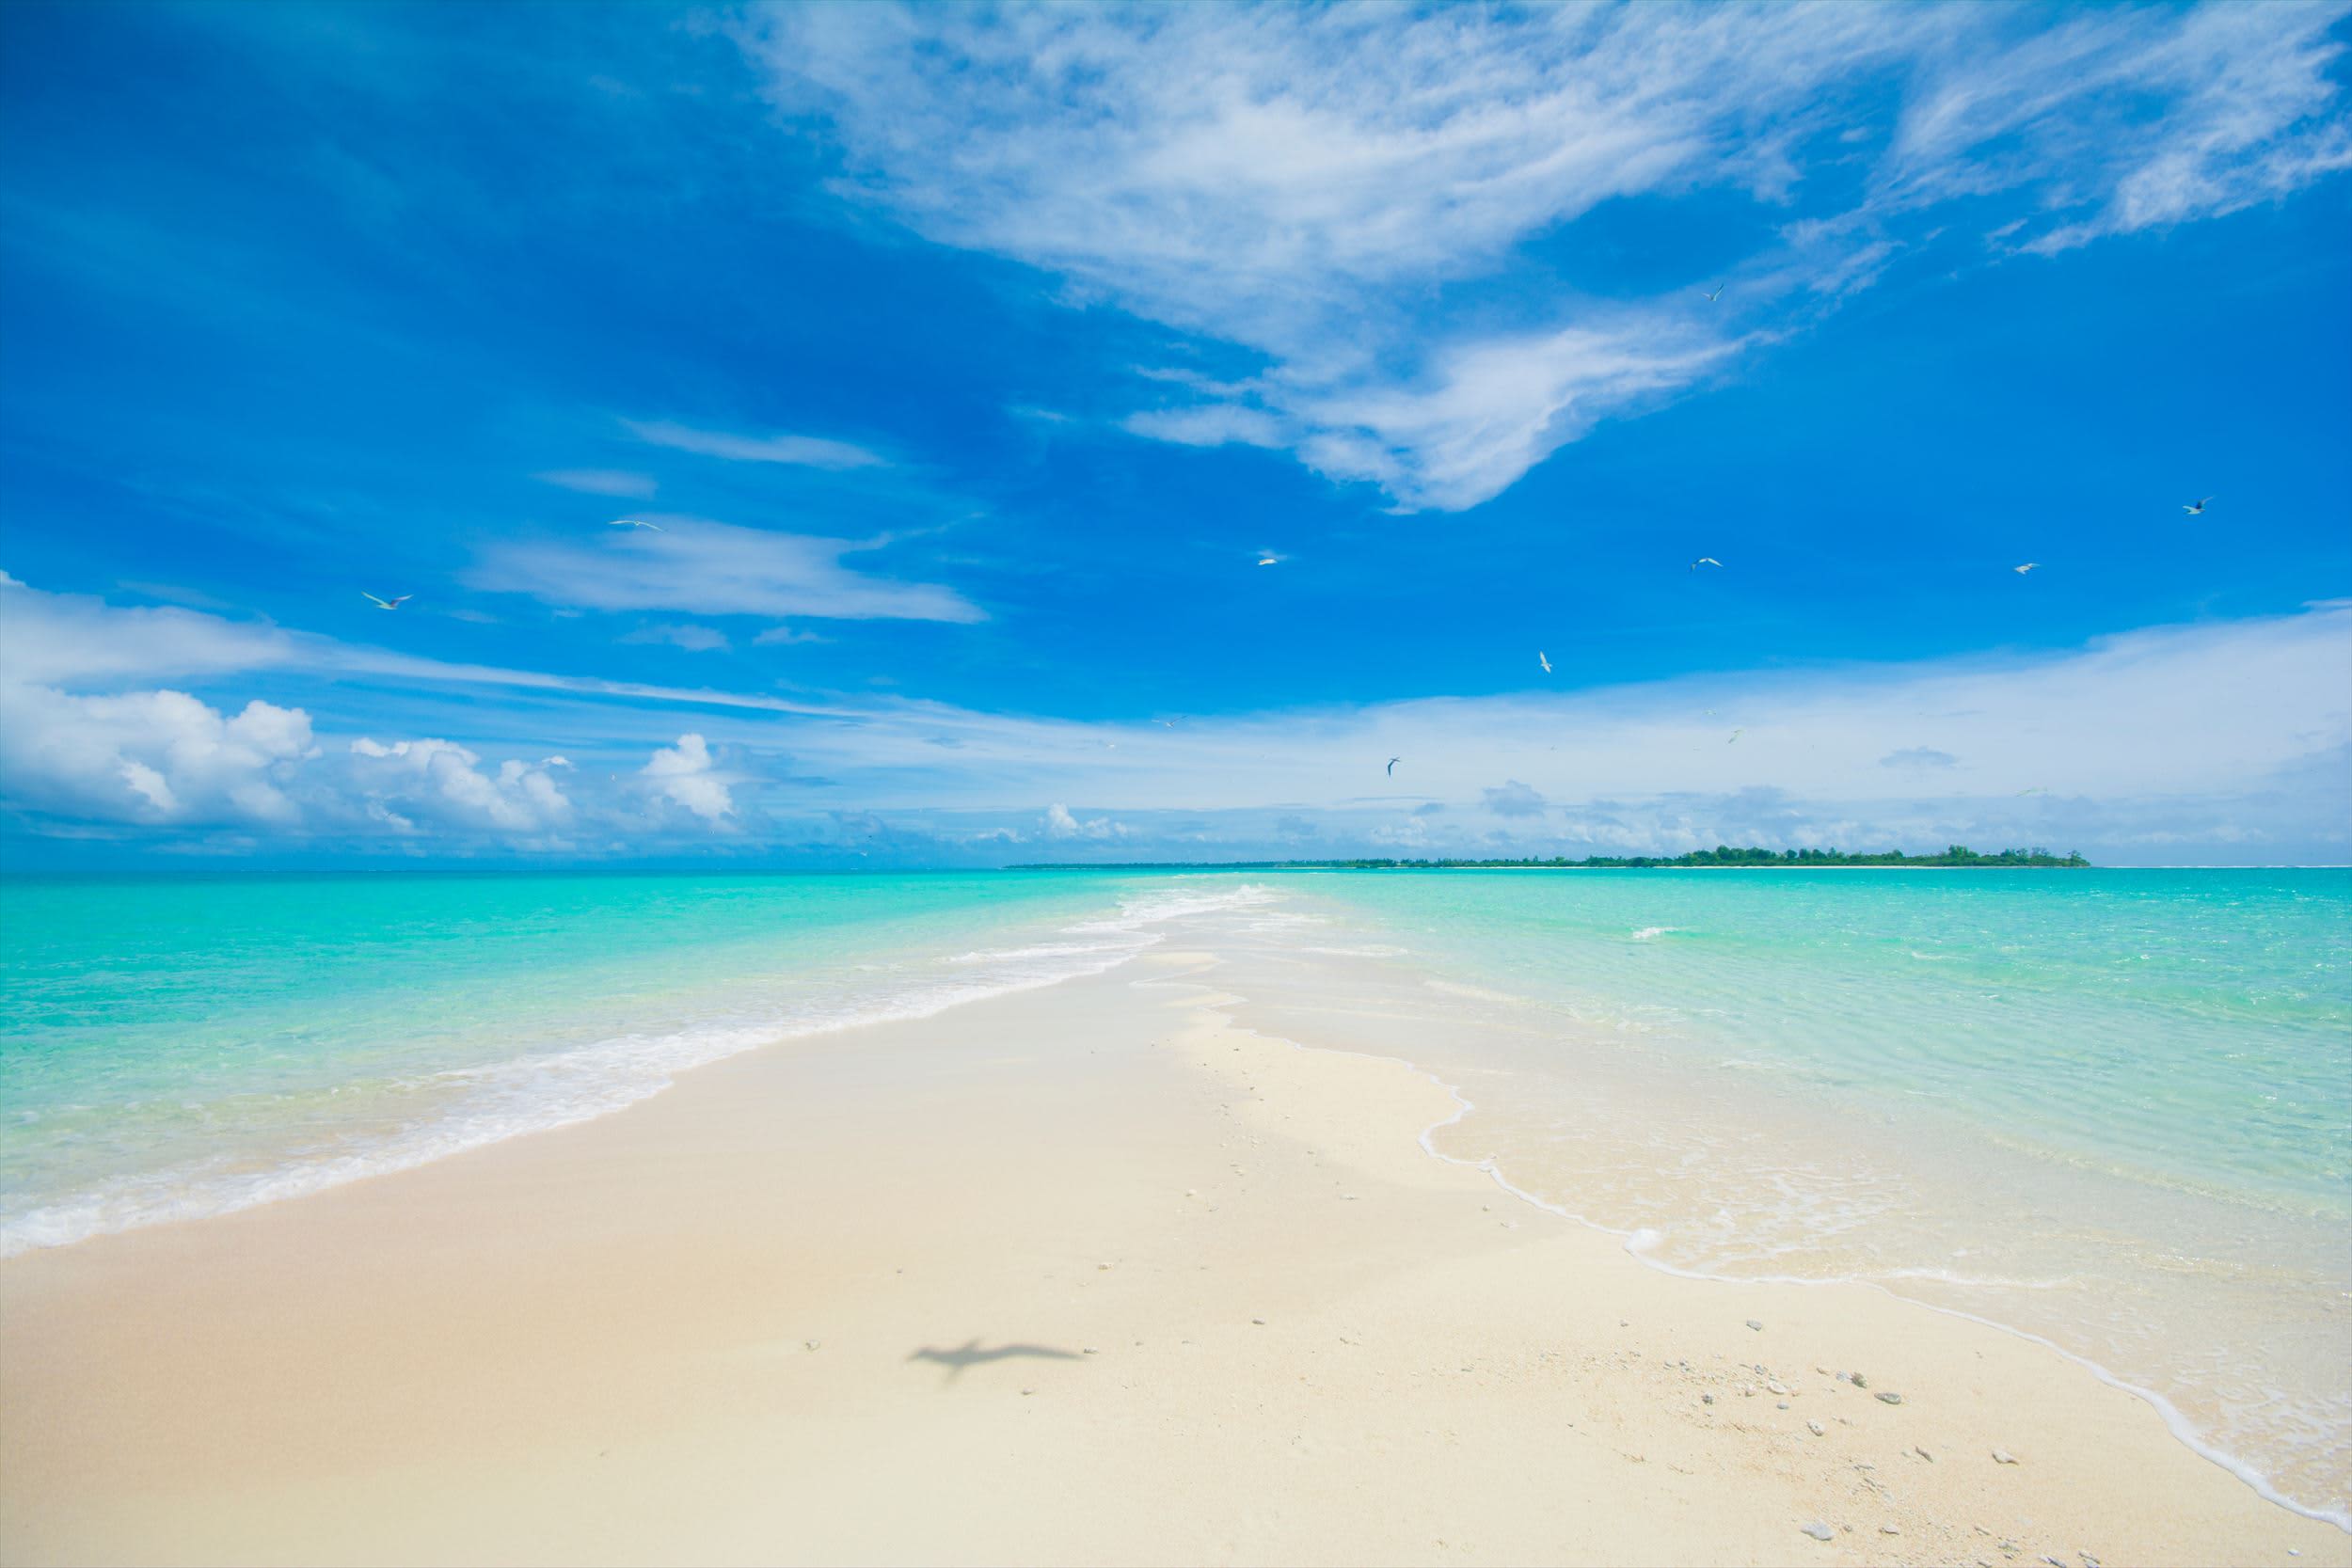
968,359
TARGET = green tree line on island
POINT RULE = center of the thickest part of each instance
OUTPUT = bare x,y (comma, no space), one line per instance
1721,855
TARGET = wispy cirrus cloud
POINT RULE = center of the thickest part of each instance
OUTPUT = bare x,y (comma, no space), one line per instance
2127,117
808,452
601,482
712,568
691,638
1307,182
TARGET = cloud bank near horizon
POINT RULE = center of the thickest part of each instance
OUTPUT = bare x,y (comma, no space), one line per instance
2224,742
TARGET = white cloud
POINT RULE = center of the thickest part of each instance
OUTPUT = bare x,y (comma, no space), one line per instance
150,756
1210,424
438,782
1514,798
1305,182
2143,118
1060,824
1496,408
686,775
2231,738
808,452
694,638
712,569
601,482
56,638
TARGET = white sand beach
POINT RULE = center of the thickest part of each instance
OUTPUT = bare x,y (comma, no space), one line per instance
1080,1274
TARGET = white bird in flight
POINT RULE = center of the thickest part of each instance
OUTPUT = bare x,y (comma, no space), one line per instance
1705,560
2029,567
1735,737
1542,660
2195,508
1392,762
1267,558
638,522
385,604
1717,294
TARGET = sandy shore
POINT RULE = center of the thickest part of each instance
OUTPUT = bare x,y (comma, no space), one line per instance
1080,1274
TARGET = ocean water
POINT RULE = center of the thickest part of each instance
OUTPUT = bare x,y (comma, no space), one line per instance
175,1046
2112,1110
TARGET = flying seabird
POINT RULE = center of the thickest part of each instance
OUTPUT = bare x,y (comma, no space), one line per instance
1392,762
1736,734
637,522
2029,567
2195,508
385,604
2035,790
1267,558
1717,294
1542,660
1705,560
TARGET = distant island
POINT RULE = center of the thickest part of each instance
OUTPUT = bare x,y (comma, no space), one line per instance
1721,855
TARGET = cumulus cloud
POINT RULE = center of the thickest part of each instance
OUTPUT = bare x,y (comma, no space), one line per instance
712,569
1303,183
411,783
686,775
1060,824
159,757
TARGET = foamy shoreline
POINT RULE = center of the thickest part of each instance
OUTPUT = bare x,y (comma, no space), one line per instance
725,1325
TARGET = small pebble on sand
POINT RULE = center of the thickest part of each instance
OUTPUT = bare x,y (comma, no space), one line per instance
1889,1529
1924,1454
1816,1428
1776,1385
811,1345
1707,1399
1754,1325
1819,1532
1886,1398
1090,1351
1260,1321
2002,1456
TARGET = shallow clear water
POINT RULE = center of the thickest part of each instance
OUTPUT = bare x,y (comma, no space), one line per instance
179,1046
2113,1109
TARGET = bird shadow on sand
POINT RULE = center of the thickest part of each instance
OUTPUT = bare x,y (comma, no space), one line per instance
970,1354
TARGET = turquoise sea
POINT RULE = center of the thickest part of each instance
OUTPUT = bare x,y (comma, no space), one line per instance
2109,1109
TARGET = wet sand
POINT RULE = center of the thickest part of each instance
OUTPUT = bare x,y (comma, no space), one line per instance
1079,1274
